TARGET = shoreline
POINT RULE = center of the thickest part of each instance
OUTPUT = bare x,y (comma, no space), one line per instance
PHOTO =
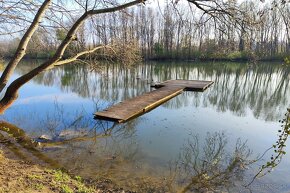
156,59
24,168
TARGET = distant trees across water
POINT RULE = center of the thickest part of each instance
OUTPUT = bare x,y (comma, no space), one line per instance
178,31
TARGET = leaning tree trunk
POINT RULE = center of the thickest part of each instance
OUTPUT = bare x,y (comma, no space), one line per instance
11,93
21,50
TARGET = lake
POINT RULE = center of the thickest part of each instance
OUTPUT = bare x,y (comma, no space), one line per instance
188,143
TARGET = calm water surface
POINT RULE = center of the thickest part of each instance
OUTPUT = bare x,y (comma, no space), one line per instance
173,143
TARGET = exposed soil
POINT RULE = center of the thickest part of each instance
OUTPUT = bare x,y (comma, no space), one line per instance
23,176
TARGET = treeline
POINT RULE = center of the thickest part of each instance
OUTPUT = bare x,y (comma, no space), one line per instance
178,32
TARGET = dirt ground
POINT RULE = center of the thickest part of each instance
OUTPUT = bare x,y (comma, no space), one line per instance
22,176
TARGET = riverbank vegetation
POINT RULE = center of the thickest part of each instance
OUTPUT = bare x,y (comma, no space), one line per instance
247,31
19,175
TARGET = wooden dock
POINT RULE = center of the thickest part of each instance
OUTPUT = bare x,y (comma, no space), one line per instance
139,105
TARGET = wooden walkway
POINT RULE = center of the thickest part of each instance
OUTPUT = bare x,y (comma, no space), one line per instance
139,105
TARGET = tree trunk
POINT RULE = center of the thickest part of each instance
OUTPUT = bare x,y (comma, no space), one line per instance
12,91
21,50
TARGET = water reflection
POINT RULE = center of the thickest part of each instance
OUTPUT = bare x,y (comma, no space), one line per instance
210,165
136,154
102,150
111,153
262,88
213,163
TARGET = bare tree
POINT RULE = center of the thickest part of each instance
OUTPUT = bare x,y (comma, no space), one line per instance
12,90
119,23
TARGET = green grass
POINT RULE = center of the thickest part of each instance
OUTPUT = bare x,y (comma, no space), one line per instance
60,176
66,189
35,177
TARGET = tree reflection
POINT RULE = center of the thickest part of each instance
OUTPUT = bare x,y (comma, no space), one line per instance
116,157
208,166
106,151
262,88
112,151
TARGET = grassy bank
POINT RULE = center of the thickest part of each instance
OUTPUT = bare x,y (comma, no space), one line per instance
23,168
21,176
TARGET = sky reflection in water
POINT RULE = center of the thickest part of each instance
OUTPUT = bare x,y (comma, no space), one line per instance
245,102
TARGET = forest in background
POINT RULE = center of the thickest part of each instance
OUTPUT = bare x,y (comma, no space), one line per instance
174,31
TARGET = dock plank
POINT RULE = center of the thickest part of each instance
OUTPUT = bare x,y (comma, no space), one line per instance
133,107
190,85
